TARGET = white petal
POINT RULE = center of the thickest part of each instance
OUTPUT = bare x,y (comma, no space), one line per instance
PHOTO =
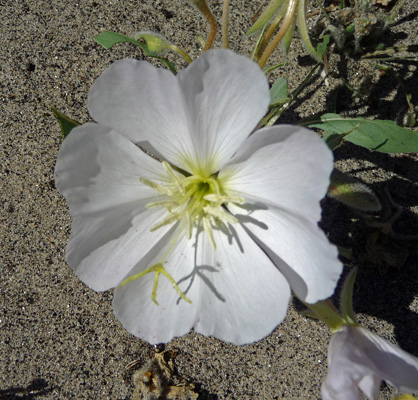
282,180
226,95
198,118
388,361
237,294
245,297
98,172
132,303
360,359
298,247
285,166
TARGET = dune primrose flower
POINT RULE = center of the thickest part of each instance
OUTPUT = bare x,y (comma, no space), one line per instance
216,230
359,360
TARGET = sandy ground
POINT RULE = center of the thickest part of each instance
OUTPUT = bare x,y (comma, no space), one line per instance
59,339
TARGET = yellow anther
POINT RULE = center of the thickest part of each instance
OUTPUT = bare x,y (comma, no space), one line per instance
158,269
220,199
156,186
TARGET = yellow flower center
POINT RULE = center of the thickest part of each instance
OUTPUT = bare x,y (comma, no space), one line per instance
195,200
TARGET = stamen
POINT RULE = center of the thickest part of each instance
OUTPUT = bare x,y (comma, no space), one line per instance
219,212
221,199
156,186
166,203
173,175
170,219
197,201
208,229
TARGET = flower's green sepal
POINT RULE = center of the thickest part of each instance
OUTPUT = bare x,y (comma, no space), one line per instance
156,44
327,313
66,123
346,301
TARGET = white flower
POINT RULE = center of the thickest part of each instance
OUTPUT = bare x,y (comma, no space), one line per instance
230,219
359,360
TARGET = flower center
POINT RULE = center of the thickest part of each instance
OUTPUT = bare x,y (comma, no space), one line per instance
195,200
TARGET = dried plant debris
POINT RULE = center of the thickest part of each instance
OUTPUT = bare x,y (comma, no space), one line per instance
157,380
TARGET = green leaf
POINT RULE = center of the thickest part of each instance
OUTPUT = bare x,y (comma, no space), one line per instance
380,135
66,123
278,92
108,39
350,191
322,47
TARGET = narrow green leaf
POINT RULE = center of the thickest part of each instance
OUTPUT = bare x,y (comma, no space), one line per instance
271,9
380,135
66,123
108,39
346,299
278,92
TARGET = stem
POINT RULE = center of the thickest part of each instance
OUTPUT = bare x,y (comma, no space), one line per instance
303,30
271,118
392,51
326,312
291,9
225,17
181,52
394,13
269,34
205,10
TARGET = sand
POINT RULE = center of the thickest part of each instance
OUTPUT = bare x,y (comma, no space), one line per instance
58,338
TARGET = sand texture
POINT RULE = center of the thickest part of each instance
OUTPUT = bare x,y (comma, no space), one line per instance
58,338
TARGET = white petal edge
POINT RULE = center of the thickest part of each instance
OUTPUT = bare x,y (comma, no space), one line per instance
358,358
226,95
199,118
98,172
238,297
298,247
285,166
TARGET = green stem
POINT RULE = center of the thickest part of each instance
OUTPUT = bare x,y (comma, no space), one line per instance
326,312
181,52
